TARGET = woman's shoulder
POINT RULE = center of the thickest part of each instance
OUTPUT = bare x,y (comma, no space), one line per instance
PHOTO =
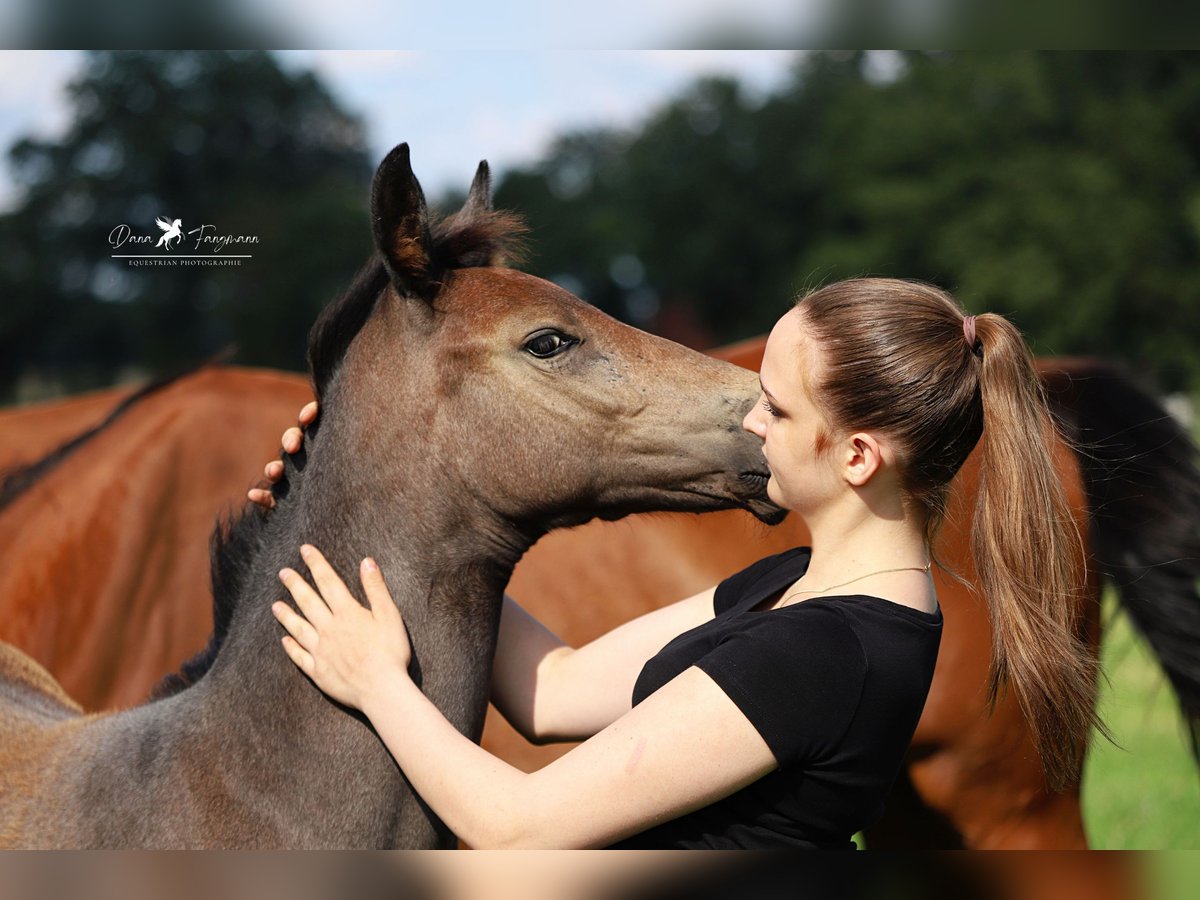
805,625
761,578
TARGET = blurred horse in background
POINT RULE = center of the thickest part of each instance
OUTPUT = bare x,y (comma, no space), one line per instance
104,518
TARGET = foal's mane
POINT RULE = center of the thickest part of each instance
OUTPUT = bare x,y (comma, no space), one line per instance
480,238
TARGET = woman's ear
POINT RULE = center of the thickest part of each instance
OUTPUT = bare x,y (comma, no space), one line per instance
864,456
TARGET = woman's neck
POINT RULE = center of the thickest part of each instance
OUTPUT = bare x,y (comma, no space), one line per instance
857,540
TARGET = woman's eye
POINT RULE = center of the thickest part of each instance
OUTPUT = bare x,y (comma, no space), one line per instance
548,343
766,404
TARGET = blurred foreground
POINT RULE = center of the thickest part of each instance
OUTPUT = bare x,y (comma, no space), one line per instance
581,876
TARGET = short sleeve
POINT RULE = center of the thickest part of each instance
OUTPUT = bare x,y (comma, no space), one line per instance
771,573
797,675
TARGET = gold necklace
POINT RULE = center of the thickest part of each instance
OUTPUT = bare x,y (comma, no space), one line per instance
924,568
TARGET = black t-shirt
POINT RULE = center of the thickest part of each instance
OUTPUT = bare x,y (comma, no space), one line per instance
835,686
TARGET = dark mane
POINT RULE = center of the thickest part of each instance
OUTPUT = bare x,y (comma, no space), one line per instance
19,479
232,549
482,238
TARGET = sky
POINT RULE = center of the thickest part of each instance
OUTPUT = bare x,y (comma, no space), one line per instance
525,24
453,107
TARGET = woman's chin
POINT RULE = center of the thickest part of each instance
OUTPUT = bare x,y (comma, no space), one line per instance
774,495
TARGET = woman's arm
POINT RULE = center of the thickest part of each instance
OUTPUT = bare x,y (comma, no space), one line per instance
684,747
550,691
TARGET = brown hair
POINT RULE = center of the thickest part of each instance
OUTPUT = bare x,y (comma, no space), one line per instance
895,359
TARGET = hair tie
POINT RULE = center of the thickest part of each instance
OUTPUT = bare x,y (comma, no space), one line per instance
973,342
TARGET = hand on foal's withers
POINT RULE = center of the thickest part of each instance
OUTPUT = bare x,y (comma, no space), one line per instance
291,441
346,649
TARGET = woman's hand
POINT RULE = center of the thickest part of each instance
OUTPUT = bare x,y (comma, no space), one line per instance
348,651
291,441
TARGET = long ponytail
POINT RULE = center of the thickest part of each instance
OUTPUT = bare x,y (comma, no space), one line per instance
898,356
1029,556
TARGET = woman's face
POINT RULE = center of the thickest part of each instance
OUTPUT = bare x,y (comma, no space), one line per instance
788,421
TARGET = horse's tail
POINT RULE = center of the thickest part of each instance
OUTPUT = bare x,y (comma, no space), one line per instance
1142,479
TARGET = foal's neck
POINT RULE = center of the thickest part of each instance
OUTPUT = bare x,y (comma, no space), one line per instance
446,567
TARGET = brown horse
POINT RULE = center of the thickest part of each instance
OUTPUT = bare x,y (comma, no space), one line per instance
104,533
463,403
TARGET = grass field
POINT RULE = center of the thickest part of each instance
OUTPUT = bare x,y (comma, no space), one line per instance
1172,876
1145,794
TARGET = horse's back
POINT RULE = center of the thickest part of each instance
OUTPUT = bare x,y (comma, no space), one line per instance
29,432
29,692
105,555
36,720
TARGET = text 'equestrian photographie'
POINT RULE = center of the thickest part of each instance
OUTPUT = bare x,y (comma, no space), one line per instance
797,453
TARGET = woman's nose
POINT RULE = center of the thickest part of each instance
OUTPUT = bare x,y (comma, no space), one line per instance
754,421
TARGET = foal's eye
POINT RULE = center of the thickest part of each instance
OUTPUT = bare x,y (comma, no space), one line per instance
545,344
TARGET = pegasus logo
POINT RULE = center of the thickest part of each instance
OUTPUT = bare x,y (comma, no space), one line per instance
174,231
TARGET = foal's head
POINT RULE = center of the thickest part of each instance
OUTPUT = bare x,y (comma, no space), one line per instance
450,375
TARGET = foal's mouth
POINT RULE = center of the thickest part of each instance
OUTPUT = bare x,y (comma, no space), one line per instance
756,480
757,502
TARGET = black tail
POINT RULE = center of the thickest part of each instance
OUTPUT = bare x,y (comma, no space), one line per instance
1142,478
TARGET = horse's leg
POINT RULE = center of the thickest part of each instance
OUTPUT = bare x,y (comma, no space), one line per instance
946,801
909,823
1063,876
1012,812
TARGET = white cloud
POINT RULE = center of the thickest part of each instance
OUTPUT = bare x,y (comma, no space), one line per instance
33,102
532,24
367,62
31,86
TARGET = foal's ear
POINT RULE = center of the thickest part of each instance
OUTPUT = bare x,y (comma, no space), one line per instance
400,222
479,198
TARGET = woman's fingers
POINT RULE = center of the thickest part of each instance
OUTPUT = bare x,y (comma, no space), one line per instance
296,625
297,654
262,497
292,439
337,596
308,414
306,598
378,595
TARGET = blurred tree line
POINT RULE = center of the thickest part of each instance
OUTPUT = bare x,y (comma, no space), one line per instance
1058,188
1061,189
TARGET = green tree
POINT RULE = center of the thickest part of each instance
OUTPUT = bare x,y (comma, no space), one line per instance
1049,187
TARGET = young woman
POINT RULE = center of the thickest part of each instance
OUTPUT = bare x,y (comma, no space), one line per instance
773,710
